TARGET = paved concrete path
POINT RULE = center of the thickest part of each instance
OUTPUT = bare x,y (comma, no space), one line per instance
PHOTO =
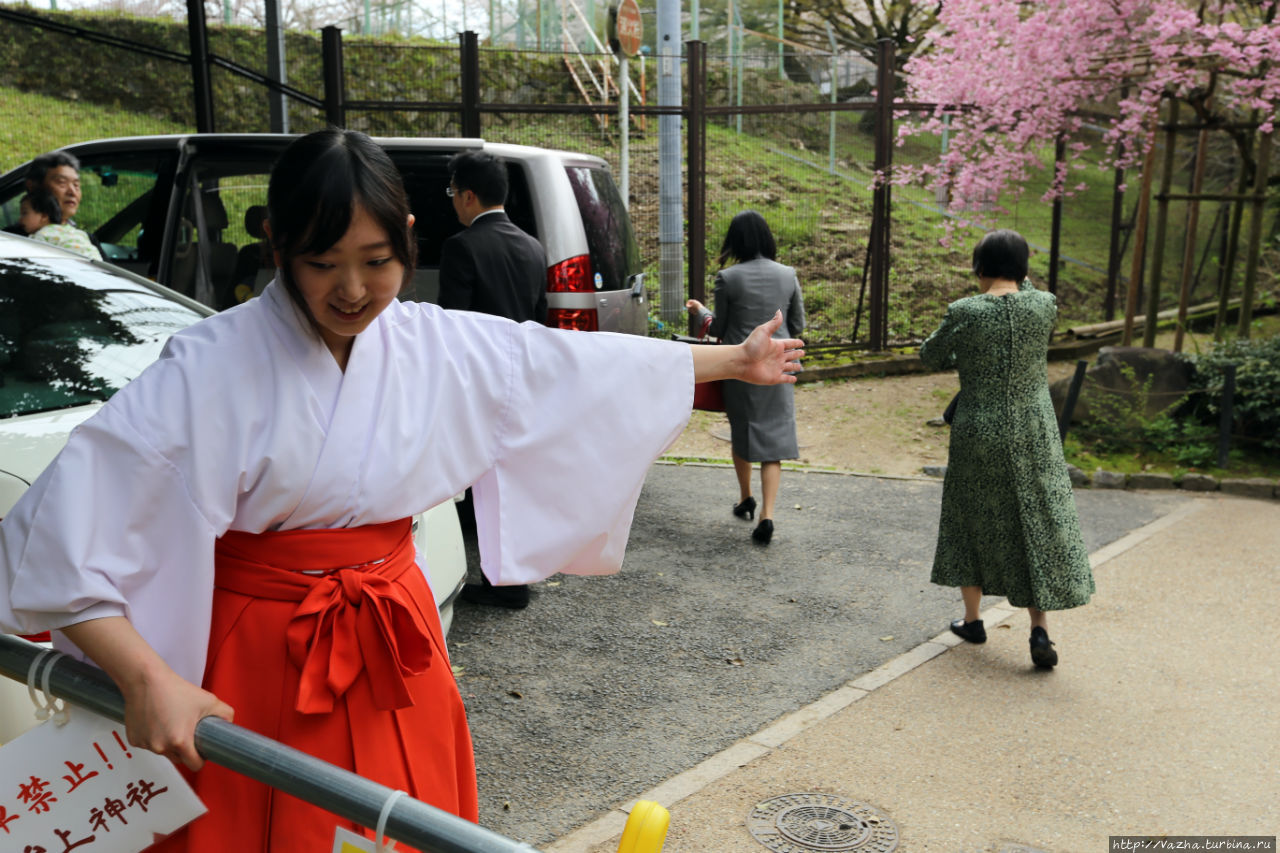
1160,719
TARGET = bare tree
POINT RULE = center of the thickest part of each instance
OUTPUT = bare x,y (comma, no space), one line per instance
860,24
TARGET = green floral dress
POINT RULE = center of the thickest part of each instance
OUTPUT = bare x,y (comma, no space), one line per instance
1009,522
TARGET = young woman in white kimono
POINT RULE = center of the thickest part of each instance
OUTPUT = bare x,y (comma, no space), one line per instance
237,517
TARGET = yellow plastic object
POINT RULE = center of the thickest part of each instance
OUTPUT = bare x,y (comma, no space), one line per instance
646,828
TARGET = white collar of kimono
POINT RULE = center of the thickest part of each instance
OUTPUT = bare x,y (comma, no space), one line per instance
301,340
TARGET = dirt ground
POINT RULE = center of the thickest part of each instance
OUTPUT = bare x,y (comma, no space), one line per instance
870,425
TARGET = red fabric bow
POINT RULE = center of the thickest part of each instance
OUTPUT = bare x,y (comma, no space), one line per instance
348,619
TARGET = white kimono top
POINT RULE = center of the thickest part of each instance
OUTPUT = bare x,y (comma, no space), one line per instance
247,423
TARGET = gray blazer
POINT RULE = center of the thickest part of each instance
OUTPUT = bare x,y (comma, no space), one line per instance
762,420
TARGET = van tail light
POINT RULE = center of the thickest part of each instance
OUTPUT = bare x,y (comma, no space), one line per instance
572,275
582,319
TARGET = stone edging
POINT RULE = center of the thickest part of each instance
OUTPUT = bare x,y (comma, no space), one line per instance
1245,487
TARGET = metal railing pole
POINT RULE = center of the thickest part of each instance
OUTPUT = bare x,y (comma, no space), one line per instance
342,792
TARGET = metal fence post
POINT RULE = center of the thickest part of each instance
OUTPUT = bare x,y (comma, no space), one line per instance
277,102
201,82
1073,394
1226,415
697,172
469,59
335,111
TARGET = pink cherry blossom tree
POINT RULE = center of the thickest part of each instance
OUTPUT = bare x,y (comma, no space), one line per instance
1029,71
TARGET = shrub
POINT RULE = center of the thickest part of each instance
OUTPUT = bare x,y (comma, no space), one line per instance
1256,404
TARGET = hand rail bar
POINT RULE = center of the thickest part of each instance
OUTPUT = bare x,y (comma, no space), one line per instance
342,792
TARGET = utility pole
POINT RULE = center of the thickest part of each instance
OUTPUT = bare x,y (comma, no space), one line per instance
670,195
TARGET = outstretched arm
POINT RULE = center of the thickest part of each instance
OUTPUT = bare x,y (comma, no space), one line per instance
760,359
161,708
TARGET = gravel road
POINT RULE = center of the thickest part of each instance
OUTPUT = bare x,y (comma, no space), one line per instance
606,686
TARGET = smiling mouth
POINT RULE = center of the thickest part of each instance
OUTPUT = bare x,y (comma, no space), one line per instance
342,312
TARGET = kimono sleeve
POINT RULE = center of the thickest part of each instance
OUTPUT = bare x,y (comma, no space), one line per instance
587,415
108,529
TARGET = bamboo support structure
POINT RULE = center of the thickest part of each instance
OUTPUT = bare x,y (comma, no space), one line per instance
1162,224
1139,239
1189,247
1262,171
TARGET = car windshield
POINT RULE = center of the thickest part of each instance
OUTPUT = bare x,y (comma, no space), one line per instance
72,333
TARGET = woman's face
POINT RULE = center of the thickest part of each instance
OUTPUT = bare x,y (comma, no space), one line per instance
349,285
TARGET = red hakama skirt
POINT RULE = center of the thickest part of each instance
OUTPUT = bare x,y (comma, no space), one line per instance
328,641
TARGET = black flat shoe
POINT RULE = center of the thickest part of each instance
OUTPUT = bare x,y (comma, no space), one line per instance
746,509
973,632
1042,653
763,532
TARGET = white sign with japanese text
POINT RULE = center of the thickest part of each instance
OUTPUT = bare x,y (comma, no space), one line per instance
82,787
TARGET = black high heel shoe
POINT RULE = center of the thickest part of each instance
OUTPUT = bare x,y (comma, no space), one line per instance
746,509
763,532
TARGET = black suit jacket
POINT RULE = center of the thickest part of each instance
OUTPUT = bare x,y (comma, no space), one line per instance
495,268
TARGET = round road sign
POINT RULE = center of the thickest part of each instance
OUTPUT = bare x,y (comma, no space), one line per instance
629,27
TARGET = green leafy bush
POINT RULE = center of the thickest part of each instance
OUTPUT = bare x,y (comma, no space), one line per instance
1256,404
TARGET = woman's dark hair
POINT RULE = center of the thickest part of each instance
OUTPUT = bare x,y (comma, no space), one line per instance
1001,254
314,188
44,203
482,173
748,238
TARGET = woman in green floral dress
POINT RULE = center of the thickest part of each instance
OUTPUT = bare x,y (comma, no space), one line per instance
1009,525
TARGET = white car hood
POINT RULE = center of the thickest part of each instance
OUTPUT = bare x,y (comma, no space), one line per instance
29,443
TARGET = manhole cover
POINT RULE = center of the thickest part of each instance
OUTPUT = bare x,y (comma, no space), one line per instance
796,823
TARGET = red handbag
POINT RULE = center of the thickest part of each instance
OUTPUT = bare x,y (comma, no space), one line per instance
708,396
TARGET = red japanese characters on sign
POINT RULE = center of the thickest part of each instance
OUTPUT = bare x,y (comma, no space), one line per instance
629,27
81,786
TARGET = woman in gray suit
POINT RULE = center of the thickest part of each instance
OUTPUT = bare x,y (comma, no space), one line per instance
762,420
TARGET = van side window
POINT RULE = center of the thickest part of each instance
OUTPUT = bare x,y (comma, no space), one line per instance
614,252
425,180
220,256
119,207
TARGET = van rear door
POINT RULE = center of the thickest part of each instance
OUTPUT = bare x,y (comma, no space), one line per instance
618,279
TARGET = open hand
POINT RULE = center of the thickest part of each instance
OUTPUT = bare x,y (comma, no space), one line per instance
769,361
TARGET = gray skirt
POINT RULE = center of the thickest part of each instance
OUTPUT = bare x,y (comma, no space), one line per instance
762,420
